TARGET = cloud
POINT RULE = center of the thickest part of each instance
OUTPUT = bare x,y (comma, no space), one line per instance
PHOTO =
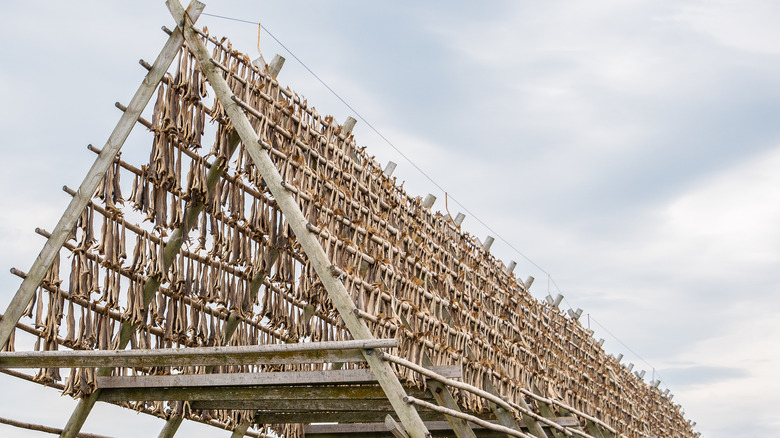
701,375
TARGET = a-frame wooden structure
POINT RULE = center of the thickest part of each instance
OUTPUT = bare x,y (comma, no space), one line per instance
415,388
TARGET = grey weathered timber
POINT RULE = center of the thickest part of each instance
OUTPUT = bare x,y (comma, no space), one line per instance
171,426
365,428
594,430
274,354
83,196
192,393
441,394
240,430
504,417
530,423
297,222
292,405
546,411
474,390
396,429
471,418
443,397
329,377
328,417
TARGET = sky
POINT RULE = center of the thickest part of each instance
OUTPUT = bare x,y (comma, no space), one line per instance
624,153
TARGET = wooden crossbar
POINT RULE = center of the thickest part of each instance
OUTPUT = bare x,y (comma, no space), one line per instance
332,377
363,392
276,354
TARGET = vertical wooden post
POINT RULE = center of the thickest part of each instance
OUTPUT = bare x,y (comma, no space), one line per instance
296,220
84,194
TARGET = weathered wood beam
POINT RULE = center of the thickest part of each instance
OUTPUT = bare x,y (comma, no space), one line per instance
45,429
240,430
331,417
319,352
546,411
363,392
338,294
171,426
505,418
471,418
368,428
293,406
330,377
87,188
396,429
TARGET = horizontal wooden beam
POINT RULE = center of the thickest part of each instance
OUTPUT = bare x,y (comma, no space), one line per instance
333,417
365,428
312,352
329,377
250,393
293,406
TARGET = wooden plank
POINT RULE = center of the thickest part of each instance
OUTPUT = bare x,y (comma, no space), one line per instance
329,377
333,417
250,393
365,428
240,430
338,294
171,426
546,411
319,352
301,405
505,418
396,429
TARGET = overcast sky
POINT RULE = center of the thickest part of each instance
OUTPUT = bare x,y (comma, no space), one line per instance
630,149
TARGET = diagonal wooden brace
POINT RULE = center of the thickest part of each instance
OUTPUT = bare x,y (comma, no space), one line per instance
297,222
83,196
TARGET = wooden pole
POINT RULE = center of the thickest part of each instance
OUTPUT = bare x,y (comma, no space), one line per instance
471,418
297,222
171,426
46,429
84,195
505,418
